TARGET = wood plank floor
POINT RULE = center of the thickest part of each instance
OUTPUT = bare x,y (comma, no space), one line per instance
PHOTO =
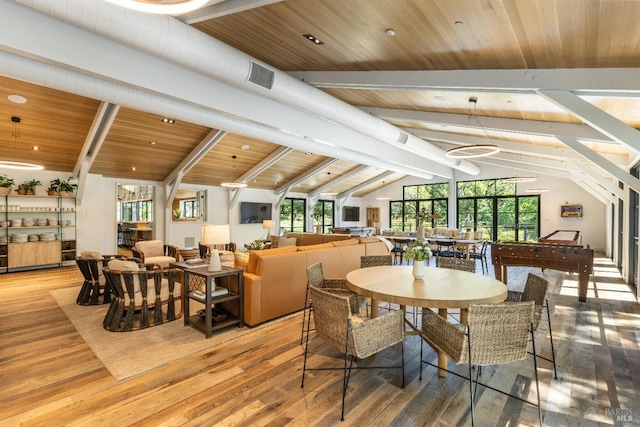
50,377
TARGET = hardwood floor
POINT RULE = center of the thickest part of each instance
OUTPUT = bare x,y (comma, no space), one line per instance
49,376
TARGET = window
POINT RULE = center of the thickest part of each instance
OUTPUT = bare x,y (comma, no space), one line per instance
323,214
292,215
189,208
431,197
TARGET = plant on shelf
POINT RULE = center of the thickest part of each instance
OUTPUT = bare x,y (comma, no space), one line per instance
177,213
256,245
28,187
67,187
420,251
5,185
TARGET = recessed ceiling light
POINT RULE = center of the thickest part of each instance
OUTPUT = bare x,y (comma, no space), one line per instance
245,147
390,32
312,38
168,120
35,148
18,99
161,7
329,194
133,168
233,184
152,143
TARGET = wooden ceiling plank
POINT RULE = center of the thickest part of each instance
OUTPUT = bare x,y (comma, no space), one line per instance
352,190
339,180
306,175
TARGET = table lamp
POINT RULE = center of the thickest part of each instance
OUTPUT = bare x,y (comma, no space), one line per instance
268,224
211,235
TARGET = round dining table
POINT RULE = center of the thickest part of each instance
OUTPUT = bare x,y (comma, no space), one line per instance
440,288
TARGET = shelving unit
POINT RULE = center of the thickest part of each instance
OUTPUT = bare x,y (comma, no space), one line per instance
37,232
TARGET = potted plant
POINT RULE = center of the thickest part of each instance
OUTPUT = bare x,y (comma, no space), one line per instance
177,213
5,185
66,186
54,186
418,253
28,187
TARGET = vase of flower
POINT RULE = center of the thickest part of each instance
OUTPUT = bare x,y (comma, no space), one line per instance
418,253
420,232
418,270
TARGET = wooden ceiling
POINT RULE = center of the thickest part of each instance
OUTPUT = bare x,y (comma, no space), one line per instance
430,35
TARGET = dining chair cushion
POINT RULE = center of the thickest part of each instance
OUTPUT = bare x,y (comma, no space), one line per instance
90,255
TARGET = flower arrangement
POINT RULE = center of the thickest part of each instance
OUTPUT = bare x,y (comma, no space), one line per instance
421,216
256,245
420,251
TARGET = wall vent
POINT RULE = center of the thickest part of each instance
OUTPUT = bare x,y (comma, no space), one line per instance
402,139
261,76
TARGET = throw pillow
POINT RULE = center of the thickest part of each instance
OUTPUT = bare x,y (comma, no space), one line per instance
241,260
285,241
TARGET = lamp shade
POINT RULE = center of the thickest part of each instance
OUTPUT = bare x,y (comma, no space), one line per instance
215,234
268,224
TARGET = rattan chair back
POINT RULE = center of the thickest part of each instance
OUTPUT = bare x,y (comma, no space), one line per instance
375,260
458,264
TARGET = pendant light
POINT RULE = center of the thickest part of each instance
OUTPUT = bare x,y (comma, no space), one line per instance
10,164
474,150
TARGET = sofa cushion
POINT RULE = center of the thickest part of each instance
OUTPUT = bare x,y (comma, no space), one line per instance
368,239
347,242
121,265
315,247
90,255
254,255
150,248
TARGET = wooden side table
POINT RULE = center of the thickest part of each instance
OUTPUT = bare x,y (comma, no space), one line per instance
197,278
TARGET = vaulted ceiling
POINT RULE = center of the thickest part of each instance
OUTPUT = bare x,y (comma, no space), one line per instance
255,101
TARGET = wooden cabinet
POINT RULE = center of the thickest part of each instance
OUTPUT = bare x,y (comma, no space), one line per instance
37,232
373,217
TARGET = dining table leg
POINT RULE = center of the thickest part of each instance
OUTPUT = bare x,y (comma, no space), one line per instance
442,356
374,308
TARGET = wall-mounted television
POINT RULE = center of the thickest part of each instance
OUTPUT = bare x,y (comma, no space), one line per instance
254,213
351,213
567,211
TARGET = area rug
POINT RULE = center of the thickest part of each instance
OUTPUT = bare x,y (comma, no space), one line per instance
126,354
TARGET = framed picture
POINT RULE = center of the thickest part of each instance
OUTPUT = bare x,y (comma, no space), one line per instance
570,211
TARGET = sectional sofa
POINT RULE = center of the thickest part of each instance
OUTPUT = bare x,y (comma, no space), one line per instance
275,280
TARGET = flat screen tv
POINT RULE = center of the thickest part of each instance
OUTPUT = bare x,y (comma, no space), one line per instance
351,213
254,213
570,211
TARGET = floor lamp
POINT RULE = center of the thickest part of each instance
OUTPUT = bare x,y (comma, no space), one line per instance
212,235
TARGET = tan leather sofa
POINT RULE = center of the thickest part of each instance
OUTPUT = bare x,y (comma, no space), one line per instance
275,280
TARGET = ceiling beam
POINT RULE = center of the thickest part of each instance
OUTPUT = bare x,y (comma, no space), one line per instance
100,126
367,183
603,163
587,171
594,117
269,161
518,126
605,81
172,181
222,8
339,180
300,178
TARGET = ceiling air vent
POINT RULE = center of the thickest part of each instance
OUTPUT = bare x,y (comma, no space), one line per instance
402,139
261,76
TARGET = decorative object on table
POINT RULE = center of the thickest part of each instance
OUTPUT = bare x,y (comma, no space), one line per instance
215,234
177,213
256,245
418,253
267,224
421,216
28,187
5,185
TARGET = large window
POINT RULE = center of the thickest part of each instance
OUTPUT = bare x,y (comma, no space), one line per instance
430,197
292,217
492,206
323,214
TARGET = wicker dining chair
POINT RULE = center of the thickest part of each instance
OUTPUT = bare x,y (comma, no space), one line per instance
458,264
495,334
376,261
315,277
535,289
351,335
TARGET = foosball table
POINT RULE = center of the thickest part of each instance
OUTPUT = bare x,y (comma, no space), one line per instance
562,257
